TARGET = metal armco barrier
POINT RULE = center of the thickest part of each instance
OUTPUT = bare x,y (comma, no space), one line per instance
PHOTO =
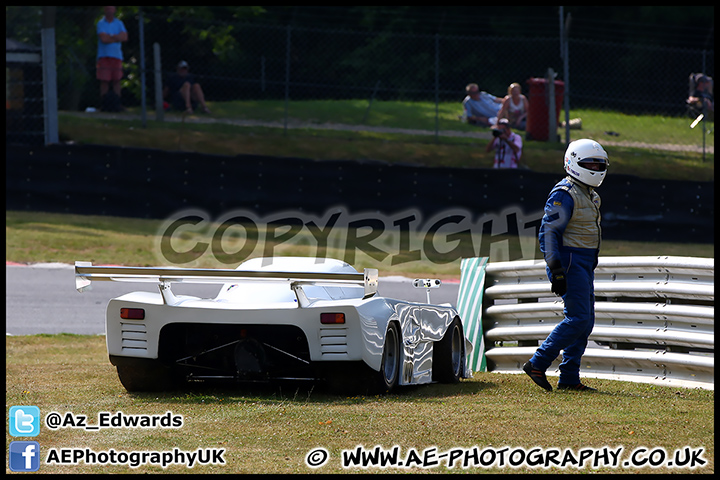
654,319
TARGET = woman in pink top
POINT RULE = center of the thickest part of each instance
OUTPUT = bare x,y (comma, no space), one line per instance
515,107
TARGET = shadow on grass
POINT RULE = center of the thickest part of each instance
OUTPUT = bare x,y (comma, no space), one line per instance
307,392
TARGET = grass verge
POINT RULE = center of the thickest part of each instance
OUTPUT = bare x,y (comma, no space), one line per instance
34,237
270,430
631,153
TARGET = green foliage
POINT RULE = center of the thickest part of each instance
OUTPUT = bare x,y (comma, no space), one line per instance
228,43
22,23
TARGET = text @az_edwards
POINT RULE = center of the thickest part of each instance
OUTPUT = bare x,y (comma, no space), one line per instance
55,420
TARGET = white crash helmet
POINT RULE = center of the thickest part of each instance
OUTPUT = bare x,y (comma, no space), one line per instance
586,161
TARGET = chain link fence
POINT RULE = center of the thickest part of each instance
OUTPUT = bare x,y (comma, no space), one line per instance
24,117
287,76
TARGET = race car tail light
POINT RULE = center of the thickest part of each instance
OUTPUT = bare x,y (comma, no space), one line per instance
132,313
332,318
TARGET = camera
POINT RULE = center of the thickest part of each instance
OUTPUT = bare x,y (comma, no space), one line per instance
497,133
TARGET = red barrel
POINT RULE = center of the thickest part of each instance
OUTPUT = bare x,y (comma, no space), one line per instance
537,119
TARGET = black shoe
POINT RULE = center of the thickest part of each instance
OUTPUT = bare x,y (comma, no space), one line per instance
537,376
579,387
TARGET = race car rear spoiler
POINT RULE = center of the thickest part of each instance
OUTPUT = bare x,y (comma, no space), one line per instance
86,273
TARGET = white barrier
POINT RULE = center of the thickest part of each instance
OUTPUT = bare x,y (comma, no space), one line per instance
654,319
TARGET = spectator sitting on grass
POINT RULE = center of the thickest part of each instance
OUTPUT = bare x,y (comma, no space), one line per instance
481,108
702,98
515,107
183,91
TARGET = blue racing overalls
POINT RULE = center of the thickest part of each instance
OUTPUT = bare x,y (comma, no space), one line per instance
570,238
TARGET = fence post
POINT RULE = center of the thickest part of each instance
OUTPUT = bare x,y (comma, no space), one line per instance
437,87
564,30
552,116
372,98
262,73
704,126
143,100
49,75
287,76
159,108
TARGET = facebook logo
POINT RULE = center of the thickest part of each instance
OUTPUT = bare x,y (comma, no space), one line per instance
24,456
24,421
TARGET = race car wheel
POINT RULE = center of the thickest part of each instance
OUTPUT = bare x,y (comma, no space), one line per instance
449,354
389,375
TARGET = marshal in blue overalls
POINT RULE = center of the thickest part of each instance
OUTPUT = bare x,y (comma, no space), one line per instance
570,236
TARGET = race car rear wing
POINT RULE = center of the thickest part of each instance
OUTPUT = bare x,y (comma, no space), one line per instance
86,273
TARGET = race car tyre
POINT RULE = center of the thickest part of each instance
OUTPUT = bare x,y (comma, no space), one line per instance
449,355
151,377
389,375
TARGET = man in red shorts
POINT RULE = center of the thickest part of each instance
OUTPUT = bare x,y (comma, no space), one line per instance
111,33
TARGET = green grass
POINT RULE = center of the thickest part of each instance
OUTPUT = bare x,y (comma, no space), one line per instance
392,114
651,129
270,430
630,153
641,129
33,237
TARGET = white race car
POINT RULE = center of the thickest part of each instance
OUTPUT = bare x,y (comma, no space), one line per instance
285,318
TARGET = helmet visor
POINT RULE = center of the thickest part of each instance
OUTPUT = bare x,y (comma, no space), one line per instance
594,164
